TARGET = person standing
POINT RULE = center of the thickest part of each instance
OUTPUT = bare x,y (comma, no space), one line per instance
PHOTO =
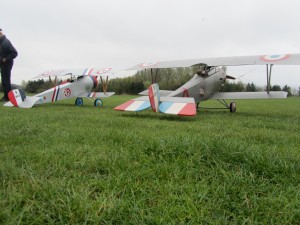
7,55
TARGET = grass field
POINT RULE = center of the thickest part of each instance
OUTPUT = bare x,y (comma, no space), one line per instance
61,164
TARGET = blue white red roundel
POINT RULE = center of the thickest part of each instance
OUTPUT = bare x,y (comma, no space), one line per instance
103,70
274,58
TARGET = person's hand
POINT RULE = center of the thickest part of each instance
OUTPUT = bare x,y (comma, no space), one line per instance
4,60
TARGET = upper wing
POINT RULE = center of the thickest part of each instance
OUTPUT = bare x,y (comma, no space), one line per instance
284,59
77,72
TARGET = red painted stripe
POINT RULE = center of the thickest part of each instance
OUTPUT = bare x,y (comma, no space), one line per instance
54,91
188,110
124,105
90,72
151,98
12,98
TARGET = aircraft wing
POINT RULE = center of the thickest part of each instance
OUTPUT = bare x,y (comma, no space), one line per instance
283,59
93,71
249,95
96,95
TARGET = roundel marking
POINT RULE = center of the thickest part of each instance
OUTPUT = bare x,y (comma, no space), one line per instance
103,70
67,92
148,64
274,58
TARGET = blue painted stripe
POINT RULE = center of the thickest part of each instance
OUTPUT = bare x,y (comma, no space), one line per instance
164,106
145,105
57,92
85,70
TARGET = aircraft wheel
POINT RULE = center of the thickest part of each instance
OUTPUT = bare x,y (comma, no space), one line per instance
98,102
232,107
79,102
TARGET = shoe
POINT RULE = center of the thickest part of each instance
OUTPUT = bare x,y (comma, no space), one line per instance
4,99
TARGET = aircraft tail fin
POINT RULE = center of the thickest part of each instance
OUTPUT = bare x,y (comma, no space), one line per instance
17,98
154,97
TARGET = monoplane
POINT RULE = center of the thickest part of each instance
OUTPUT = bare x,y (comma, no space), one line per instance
205,84
80,84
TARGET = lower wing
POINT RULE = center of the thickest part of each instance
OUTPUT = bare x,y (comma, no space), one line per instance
96,94
249,95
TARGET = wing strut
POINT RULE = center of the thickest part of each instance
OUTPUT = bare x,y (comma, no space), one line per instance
154,78
104,84
269,72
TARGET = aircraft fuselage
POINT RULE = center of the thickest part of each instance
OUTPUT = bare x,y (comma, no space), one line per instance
202,86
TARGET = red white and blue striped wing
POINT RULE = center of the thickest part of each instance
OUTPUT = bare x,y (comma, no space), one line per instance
92,71
178,106
135,105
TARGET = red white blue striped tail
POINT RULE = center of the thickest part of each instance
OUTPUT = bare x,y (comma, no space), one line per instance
135,105
154,97
178,108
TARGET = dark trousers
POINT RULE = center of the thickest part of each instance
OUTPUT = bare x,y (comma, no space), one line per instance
5,76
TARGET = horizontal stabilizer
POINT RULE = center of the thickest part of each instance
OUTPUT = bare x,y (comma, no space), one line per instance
249,95
27,103
135,105
178,106
96,95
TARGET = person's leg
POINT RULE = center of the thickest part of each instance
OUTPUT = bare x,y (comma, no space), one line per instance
5,76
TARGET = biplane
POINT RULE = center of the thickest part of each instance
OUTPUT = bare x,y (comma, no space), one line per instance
210,76
79,85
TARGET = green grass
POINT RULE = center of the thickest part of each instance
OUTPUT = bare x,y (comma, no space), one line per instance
62,164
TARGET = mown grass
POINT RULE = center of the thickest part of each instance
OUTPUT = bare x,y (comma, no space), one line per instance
61,164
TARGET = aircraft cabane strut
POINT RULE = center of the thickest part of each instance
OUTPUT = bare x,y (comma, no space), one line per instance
269,72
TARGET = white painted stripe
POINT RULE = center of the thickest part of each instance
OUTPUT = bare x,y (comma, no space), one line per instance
134,106
175,108
87,71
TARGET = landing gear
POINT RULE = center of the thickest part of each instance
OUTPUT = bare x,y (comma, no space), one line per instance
98,102
79,102
232,107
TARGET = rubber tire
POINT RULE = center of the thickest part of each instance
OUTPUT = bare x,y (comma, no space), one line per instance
79,102
232,107
98,103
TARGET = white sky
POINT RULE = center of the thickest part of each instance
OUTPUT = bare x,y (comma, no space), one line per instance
64,34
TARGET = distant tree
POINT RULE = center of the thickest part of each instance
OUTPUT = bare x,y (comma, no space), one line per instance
23,84
276,88
287,89
250,87
37,86
233,87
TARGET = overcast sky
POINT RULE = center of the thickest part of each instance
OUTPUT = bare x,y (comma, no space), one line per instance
64,34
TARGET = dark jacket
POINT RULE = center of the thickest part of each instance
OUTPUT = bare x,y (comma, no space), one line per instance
7,50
